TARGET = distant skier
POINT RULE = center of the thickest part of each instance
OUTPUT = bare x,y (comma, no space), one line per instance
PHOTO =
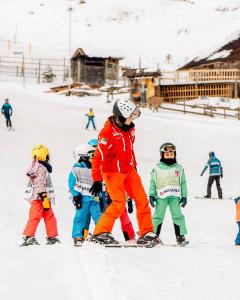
114,162
7,112
168,188
237,202
91,117
80,182
40,194
215,172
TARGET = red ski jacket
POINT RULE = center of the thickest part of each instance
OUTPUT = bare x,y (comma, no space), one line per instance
114,152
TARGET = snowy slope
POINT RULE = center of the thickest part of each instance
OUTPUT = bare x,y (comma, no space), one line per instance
150,29
207,269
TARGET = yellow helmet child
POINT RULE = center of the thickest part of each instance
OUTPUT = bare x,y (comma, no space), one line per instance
40,152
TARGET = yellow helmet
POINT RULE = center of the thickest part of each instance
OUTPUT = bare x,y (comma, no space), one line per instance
40,152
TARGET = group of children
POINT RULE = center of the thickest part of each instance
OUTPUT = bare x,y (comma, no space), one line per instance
167,188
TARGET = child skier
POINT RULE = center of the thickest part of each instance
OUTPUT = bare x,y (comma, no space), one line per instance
91,117
40,194
79,182
215,172
237,202
168,188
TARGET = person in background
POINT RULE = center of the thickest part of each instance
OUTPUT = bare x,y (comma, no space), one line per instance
7,112
91,117
215,172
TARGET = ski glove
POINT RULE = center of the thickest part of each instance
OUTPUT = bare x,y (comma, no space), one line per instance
183,201
77,201
96,188
152,200
130,205
236,200
45,200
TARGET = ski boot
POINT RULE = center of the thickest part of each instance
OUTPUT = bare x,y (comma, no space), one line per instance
207,196
78,242
181,241
149,240
29,241
104,238
52,240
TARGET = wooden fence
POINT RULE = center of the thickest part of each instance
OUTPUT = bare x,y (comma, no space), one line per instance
204,110
20,66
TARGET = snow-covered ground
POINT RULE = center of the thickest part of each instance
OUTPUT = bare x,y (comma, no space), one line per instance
150,29
207,269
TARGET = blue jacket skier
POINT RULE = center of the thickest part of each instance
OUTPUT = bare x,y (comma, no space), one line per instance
79,182
7,112
215,172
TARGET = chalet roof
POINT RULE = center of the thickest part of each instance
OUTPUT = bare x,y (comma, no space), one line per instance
80,52
228,54
135,73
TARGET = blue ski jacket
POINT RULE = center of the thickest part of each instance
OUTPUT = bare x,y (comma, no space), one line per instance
7,109
215,167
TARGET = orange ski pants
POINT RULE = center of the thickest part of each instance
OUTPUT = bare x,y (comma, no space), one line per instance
117,185
36,213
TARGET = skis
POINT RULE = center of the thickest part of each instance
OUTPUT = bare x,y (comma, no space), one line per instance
213,198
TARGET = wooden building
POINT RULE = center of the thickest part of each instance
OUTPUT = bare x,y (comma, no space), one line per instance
142,83
93,69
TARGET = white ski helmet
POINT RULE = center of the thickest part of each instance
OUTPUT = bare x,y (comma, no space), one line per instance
82,151
123,108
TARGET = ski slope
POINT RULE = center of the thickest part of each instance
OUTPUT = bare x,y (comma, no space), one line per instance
207,269
150,29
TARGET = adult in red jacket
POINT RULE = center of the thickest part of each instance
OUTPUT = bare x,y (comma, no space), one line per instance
114,162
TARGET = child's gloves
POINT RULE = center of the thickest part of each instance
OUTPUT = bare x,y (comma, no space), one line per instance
152,200
45,201
236,200
130,205
183,201
77,201
96,188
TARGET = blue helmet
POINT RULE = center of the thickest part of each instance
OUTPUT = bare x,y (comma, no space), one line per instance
93,142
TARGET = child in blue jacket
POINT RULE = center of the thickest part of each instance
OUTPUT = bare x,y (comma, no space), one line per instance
80,181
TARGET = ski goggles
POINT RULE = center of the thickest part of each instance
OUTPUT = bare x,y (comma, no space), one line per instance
168,148
135,114
91,154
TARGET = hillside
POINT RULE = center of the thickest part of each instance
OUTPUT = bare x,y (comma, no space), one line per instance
150,29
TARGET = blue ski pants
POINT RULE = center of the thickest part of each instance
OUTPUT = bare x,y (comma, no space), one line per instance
81,219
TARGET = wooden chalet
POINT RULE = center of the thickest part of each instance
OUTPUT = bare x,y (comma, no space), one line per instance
93,69
142,83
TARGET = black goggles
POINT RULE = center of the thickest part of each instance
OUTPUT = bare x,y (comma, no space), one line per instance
91,154
168,148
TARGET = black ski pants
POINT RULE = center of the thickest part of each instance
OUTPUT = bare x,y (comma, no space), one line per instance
211,179
8,121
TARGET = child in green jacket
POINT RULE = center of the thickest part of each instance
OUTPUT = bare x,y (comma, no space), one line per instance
168,188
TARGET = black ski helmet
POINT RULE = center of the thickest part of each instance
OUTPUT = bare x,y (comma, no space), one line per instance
161,149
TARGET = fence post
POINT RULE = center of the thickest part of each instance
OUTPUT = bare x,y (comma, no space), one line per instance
211,111
238,113
64,69
39,71
184,107
224,113
17,71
